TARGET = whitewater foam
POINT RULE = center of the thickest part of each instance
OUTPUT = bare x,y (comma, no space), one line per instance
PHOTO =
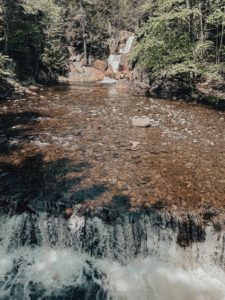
86,258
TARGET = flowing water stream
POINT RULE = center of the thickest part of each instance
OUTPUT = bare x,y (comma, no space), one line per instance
75,146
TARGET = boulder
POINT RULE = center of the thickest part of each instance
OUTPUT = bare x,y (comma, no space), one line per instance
88,74
127,74
141,121
124,61
122,46
113,45
124,35
100,65
173,87
78,67
34,88
78,57
118,75
109,72
91,61
73,58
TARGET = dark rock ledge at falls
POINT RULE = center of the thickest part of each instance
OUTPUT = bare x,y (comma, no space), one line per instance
94,207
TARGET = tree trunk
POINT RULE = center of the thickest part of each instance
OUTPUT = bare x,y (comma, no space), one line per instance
6,6
190,25
217,44
84,33
221,40
202,35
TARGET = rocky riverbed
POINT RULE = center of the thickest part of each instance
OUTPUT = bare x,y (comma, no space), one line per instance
80,145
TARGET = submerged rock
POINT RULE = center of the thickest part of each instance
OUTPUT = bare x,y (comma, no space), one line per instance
141,121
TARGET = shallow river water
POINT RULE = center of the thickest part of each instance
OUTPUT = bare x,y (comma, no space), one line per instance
75,146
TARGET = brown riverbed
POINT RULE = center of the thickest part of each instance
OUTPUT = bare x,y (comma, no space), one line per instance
76,144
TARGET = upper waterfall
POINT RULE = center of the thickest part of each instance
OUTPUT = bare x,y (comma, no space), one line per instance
114,59
128,45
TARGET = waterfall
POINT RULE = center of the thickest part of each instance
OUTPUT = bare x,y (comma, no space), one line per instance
118,257
114,59
128,45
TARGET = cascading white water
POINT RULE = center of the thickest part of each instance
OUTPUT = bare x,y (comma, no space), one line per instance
114,59
86,258
128,45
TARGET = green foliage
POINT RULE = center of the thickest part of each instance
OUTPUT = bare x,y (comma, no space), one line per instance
34,37
182,37
98,19
54,53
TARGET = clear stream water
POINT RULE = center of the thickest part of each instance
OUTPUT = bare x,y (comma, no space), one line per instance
74,146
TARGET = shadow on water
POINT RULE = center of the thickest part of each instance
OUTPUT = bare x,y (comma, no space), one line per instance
39,186
14,129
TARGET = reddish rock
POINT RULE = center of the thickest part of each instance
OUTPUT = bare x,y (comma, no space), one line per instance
100,65
124,61
88,74
68,212
117,75
83,61
124,35
128,74
109,72
93,74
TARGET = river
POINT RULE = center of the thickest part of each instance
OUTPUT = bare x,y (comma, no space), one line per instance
74,146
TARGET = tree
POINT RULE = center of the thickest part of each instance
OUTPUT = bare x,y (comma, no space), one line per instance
182,38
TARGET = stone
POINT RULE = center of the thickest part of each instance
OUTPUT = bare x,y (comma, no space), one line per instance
89,74
68,212
124,35
29,92
209,214
113,45
124,61
171,88
78,57
100,65
34,88
117,75
78,67
141,121
134,145
72,58
122,46
109,72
